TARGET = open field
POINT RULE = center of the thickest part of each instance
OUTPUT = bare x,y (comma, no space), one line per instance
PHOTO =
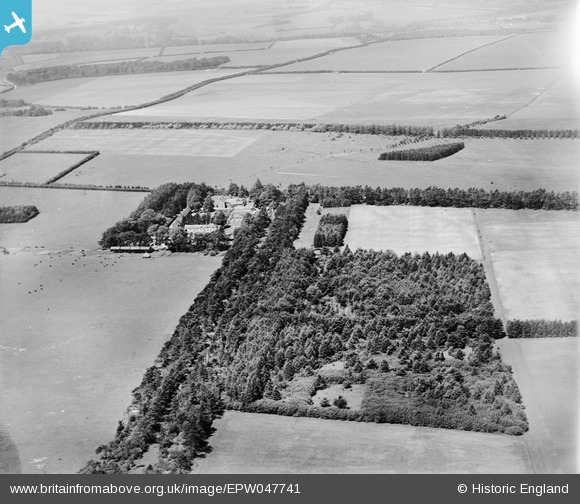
530,50
16,130
556,108
76,335
424,99
412,229
547,374
253,443
260,54
78,58
148,142
67,219
36,167
535,261
311,220
398,55
293,157
112,91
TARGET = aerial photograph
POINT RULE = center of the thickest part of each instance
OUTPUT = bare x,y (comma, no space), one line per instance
290,237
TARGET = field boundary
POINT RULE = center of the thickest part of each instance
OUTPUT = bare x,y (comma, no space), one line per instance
88,156
75,187
470,51
489,270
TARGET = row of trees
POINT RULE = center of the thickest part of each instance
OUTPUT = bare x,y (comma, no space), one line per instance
540,199
362,129
466,131
17,214
331,231
541,328
32,111
431,153
36,75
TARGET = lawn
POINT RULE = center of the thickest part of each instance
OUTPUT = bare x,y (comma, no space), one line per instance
77,332
259,443
398,55
535,261
547,371
412,229
68,218
113,91
36,167
423,99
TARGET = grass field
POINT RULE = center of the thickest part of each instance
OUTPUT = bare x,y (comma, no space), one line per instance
253,443
150,158
78,58
36,167
112,91
535,261
412,229
260,54
399,55
530,50
67,219
76,335
547,374
16,130
556,108
147,142
432,99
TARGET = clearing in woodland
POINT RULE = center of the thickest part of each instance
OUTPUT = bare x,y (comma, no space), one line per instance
412,229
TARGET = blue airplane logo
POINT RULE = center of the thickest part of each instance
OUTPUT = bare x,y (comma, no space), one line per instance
17,23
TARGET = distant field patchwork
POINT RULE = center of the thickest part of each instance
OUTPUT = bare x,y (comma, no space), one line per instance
535,260
530,50
254,443
397,55
558,107
413,229
113,91
432,99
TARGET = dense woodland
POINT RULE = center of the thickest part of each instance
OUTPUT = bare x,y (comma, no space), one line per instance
15,214
415,331
539,199
331,231
541,328
36,75
432,153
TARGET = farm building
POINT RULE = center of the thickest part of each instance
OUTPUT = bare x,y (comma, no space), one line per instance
229,202
192,229
179,219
